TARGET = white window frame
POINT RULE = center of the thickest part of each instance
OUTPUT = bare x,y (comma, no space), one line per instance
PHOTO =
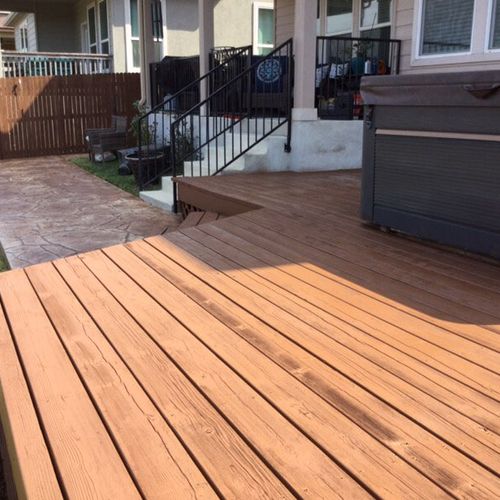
479,51
84,35
24,36
128,33
96,24
256,7
164,27
489,33
98,30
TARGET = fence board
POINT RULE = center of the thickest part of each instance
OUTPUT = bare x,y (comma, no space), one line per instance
48,115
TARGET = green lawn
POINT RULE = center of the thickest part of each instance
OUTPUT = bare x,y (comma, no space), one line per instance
109,172
3,266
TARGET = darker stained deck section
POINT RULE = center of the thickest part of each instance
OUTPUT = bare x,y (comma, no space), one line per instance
283,351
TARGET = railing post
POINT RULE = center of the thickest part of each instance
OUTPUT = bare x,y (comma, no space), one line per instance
2,73
173,160
291,70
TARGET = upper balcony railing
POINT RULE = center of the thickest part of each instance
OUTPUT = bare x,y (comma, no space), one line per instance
18,64
341,62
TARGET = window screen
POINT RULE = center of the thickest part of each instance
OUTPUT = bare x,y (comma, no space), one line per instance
495,26
374,12
338,16
446,26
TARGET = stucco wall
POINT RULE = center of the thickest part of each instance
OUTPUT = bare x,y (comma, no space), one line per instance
182,27
232,25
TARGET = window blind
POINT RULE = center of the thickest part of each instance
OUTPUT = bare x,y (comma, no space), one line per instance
446,26
495,26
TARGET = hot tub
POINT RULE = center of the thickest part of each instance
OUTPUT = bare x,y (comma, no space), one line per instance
431,157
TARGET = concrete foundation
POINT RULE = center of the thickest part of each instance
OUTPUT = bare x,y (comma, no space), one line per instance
316,145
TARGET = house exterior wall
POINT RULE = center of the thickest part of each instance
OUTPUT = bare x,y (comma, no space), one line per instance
182,27
284,20
405,28
27,20
233,20
55,28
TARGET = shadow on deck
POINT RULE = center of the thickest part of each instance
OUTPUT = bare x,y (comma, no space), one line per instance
284,351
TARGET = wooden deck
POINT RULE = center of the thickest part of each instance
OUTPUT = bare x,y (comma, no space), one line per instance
285,351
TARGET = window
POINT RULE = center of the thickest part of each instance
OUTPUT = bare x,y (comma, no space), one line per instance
494,42
103,27
339,17
157,21
91,21
375,13
263,29
134,32
85,37
355,18
23,37
446,26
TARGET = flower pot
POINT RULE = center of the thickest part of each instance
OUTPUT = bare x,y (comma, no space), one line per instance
148,168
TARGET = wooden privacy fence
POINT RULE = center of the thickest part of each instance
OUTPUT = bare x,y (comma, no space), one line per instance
48,115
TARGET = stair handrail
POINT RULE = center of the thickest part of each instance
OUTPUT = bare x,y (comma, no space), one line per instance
167,106
161,106
205,104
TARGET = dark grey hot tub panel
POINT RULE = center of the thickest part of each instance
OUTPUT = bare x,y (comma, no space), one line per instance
431,157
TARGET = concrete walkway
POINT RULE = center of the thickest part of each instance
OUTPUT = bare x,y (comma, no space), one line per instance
50,208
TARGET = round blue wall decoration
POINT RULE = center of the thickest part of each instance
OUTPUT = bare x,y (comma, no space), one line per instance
269,71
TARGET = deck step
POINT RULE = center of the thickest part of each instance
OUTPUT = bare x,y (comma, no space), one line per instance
196,218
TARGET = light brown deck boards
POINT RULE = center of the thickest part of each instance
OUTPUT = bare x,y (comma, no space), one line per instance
364,361
284,351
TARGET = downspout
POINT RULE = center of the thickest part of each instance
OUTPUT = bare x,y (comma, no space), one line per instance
147,49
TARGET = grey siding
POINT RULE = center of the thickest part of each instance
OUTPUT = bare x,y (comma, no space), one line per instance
285,20
55,28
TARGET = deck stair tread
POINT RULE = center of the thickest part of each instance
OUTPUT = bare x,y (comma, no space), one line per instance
285,351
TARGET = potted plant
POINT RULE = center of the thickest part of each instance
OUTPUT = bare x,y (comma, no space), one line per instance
148,161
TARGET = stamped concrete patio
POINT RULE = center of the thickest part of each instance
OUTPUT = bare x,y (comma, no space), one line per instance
50,208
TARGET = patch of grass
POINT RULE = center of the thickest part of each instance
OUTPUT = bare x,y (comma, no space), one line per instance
4,266
109,172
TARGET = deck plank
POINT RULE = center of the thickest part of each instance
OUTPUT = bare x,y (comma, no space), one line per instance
326,426
398,433
233,468
320,265
407,390
286,351
454,298
325,241
295,458
267,266
159,464
88,462
33,473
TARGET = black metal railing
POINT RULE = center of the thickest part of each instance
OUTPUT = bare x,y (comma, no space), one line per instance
235,117
154,126
341,62
174,73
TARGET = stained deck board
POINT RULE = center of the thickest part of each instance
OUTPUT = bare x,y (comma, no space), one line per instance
278,253
374,358
33,473
371,414
283,351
